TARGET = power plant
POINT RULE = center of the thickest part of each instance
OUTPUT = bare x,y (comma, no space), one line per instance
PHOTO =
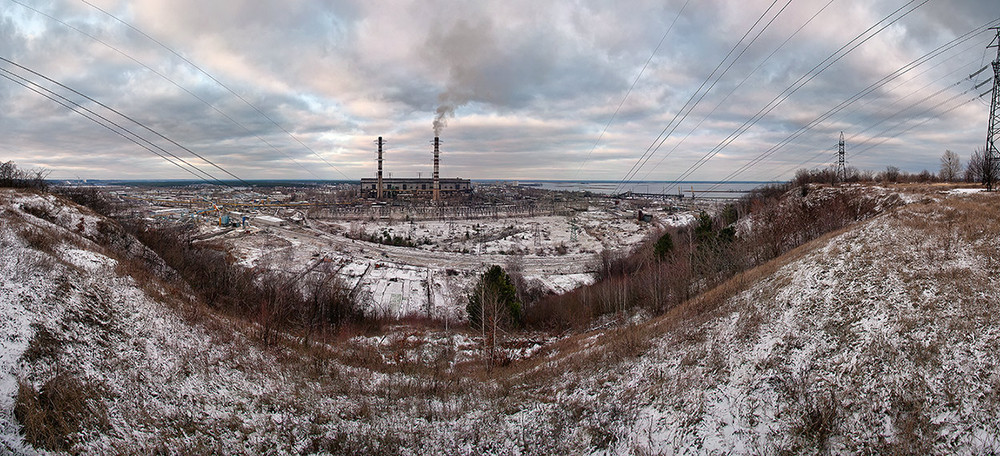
434,188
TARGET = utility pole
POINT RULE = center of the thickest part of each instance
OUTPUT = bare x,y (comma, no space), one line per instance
991,155
841,166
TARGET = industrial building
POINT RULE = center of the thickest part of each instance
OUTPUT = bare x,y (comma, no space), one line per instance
379,187
396,185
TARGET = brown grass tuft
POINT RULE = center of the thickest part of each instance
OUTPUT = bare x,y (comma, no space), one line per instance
52,415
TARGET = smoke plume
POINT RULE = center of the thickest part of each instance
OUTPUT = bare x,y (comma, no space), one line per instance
468,49
441,119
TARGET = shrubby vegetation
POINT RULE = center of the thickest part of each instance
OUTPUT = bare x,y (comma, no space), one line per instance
493,310
273,300
12,176
763,225
386,238
978,169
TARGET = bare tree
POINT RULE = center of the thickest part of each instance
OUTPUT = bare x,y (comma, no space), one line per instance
515,270
891,174
493,308
12,176
951,166
982,168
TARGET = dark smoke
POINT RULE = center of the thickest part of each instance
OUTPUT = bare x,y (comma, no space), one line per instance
440,120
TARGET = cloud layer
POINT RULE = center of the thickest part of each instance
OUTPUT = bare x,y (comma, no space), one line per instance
516,89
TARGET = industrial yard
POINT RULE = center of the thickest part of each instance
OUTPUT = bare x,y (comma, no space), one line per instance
413,247
414,257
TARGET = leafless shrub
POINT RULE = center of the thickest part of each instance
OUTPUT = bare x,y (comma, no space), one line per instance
272,300
705,255
629,341
39,239
39,211
99,201
52,414
815,413
43,345
982,168
12,176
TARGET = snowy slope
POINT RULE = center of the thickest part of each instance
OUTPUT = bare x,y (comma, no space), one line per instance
883,339
161,376
879,339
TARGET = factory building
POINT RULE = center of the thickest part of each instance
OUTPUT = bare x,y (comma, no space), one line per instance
395,186
379,187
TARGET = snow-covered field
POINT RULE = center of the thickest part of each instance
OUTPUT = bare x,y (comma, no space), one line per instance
431,279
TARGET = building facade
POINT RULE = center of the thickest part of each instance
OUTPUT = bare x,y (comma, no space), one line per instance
415,186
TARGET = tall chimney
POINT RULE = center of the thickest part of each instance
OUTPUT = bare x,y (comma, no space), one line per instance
379,184
437,182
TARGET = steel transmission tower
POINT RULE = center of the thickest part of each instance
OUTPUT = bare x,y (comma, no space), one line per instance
841,166
991,155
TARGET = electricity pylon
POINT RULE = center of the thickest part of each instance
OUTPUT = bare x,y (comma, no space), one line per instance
841,165
991,155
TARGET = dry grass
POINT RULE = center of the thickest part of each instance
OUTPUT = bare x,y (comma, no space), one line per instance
43,345
39,211
39,239
51,415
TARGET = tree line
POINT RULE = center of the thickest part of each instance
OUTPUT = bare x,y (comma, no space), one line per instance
980,168
13,177
672,266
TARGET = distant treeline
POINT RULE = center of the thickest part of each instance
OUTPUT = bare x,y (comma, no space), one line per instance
12,176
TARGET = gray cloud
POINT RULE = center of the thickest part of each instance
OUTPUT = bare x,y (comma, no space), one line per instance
531,85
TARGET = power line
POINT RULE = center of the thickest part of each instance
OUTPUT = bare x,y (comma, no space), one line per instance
124,116
801,82
706,93
798,84
737,87
856,97
174,83
77,108
202,71
688,104
921,123
821,153
629,91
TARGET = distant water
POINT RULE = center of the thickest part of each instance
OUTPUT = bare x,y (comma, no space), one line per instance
699,188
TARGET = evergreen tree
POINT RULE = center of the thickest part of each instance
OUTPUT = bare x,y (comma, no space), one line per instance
493,301
663,246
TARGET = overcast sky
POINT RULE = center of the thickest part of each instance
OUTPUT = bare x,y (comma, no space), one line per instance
525,87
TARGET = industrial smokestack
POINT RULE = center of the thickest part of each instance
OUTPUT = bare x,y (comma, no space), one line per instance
379,176
437,183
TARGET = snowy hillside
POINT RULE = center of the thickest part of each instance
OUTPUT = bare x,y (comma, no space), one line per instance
881,338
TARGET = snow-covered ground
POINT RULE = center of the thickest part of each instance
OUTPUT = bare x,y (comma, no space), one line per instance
880,339
557,252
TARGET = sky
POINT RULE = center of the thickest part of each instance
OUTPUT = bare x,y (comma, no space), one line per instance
301,89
